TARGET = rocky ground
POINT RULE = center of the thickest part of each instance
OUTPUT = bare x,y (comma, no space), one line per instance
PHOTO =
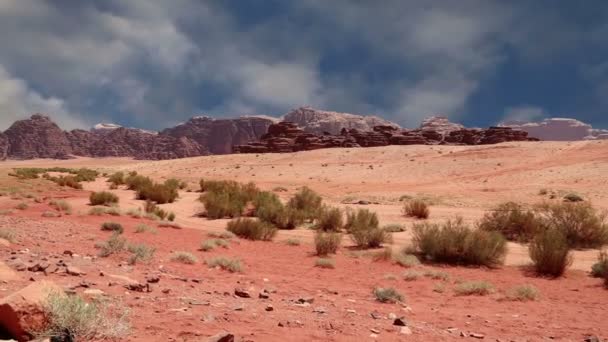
280,294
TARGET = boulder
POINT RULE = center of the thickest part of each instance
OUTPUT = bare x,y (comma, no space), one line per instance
22,312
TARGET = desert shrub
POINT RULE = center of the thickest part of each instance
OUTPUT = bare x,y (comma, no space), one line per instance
103,198
232,265
142,228
114,244
385,254
572,197
137,182
330,219
412,275
223,204
210,244
306,201
478,288
455,243
8,234
61,205
327,243
26,173
325,263
363,226
159,193
51,214
69,181
70,317
416,208
117,178
387,295
174,183
393,228
406,260
437,275
22,206
513,221
134,213
251,229
522,293
269,208
113,211
600,268
140,253
550,252
361,219
184,257
292,242
171,217
5,212
221,235
582,225
112,226
169,224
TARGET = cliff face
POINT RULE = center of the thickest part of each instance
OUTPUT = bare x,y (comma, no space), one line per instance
37,137
320,121
220,135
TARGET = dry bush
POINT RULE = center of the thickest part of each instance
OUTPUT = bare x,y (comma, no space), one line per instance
387,295
142,228
184,257
456,243
61,205
71,318
513,221
393,228
412,275
136,182
330,220
325,263
523,293
327,243
363,227
140,253
478,288
221,235
223,204
112,226
232,265
114,244
159,193
416,208
103,198
406,260
437,275
583,225
251,229
22,206
600,268
211,244
308,202
293,242
362,219
550,253
117,178
51,214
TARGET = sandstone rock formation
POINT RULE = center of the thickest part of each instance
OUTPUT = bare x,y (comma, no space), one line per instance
320,121
440,124
558,129
37,137
4,146
220,135
288,137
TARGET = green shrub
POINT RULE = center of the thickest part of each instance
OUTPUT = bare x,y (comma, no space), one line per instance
416,208
325,263
361,219
308,202
171,217
478,288
174,184
455,243
327,243
251,229
117,178
387,295
232,265
582,225
140,253
137,182
114,244
159,193
513,221
363,227
223,204
112,226
103,198
70,317
600,268
184,257
330,219
550,252
523,293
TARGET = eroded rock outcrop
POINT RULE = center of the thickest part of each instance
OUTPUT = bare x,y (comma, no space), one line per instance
220,135
440,124
320,121
37,137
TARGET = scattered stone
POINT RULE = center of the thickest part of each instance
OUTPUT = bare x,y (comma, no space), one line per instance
478,336
405,331
376,315
221,337
320,310
239,292
264,294
74,271
18,265
239,307
153,279
400,321
592,338
374,330
392,316
166,291
351,311
308,300
269,307
138,287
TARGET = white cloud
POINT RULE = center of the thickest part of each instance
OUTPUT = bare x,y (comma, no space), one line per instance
18,101
524,113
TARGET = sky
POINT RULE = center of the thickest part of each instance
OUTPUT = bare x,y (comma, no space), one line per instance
155,63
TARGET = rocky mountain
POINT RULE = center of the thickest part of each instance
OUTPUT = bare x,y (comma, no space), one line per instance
440,124
558,129
220,135
320,121
37,137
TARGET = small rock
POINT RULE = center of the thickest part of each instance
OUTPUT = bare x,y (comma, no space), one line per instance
405,331
239,307
308,300
74,271
476,335
592,338
400,321
165,291
153,279
375,331
320,310
269,307
221,337
93,292
392,316
376,315
264,294
351,311
239,292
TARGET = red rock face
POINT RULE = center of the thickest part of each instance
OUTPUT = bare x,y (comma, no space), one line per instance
37,137
319,121
220,135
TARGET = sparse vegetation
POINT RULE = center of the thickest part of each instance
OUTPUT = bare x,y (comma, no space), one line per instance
142,228
97,211
582,225
51,214
226,198
158,193
140,253
393,228
412,275
232,265
184,258
114,244
387,295
103,198
550,253
513,221
251,229
22,206
8,234
112,226
70,317
327,243
325,263
364,230
211,244
330,220
523,293
117,178
292,242
307,202
600,268
61,205
221,235
478,288
416,208
455,243
437,275
169,224
406,260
